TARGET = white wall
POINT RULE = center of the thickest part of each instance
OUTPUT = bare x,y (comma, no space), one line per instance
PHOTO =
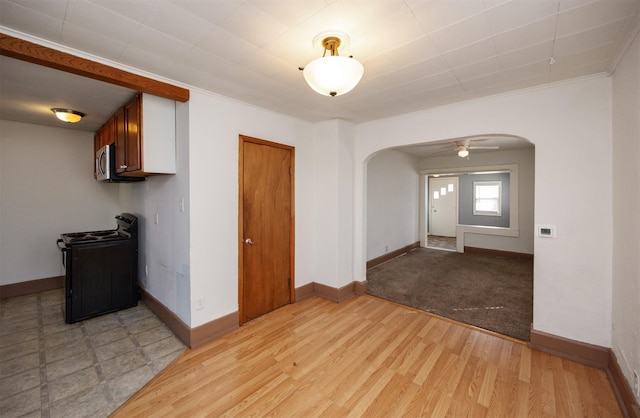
525,159
46,189
332,193
164,247
392,202
570,125
626,212
214,126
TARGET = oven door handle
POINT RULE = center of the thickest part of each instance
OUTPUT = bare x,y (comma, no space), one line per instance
61,247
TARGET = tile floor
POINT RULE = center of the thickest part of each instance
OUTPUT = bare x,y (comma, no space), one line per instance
441,243
52,369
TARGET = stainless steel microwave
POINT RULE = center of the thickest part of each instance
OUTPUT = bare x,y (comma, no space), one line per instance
106,167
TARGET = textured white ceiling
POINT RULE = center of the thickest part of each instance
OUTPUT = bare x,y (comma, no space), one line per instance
416,53
29,91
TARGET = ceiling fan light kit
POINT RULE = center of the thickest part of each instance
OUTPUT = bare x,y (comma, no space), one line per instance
333,75
463,148
463,152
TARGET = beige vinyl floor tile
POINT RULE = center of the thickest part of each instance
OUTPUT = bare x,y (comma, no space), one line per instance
52,369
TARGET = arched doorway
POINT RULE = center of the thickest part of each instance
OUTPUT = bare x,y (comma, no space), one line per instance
515,159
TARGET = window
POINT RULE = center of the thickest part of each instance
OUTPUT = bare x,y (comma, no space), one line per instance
487,198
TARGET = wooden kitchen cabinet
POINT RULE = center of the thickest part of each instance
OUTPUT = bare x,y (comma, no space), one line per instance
104,136
120,132
147,146
144,134
128,137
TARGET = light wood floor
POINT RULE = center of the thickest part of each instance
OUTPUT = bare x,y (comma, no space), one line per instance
369,357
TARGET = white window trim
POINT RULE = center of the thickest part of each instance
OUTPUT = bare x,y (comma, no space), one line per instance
485,212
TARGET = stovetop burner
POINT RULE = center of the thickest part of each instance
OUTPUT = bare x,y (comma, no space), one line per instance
78,239
103,233
74,237
127,229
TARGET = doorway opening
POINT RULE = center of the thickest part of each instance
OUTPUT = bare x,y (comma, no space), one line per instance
473,283
438,242
443,214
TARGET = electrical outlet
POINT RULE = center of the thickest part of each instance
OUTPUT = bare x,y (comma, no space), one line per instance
157,220
636,383
146,269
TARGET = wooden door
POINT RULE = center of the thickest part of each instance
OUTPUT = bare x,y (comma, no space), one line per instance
266,231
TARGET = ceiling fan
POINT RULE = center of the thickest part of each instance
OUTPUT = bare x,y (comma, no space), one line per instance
463,147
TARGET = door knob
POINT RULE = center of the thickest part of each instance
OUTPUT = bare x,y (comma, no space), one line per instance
249,242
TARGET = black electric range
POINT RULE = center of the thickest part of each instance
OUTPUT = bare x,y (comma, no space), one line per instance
101,269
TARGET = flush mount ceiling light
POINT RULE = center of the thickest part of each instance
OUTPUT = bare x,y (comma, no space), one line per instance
463,151
333,75
68,115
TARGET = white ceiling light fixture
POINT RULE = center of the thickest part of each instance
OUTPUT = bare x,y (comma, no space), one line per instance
333,75
463,152
68,115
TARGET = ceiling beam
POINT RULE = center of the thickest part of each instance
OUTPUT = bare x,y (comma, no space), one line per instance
52,58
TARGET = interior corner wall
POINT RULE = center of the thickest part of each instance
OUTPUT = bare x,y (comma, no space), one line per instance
626,210
392,202
346,144
572,273
46,189
333,197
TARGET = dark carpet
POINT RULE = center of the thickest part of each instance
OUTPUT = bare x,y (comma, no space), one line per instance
488,292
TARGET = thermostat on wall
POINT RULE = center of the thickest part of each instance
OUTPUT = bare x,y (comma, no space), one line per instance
546,231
